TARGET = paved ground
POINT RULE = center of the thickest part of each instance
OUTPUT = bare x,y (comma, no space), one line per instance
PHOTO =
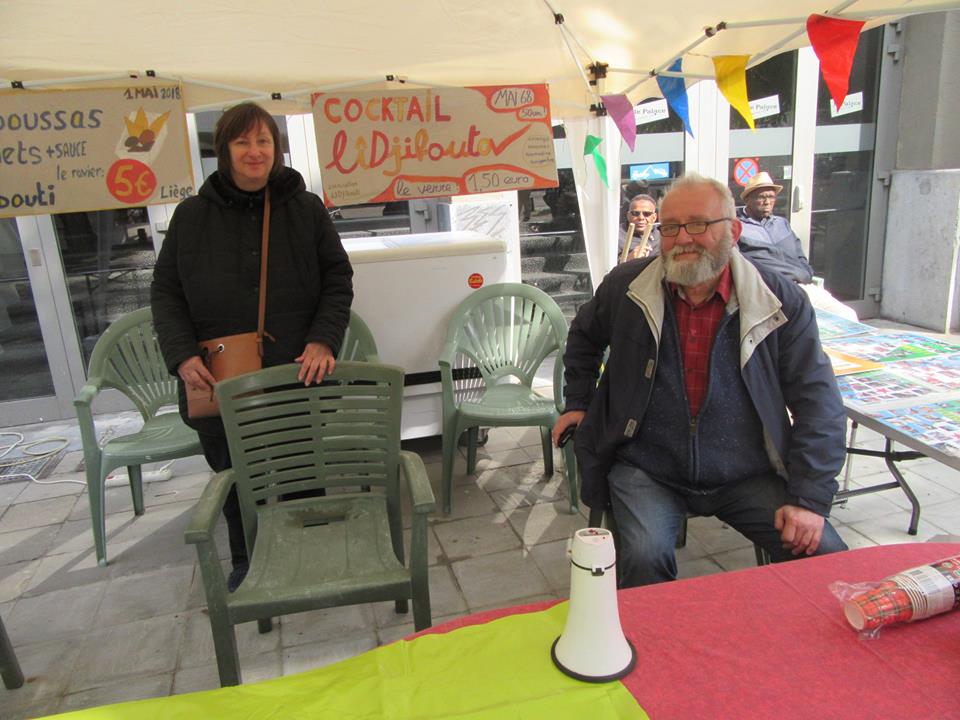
88,636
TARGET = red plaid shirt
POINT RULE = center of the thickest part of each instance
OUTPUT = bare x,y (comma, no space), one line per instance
697,327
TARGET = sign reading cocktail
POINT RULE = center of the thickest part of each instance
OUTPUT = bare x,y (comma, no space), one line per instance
404,144
76,150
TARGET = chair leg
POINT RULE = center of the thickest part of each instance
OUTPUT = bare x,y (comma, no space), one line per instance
225,646
9,667
265,625
473,435
421,602
135,473
546,443
682,534
763,557
570,462
96,496
596,518
449,452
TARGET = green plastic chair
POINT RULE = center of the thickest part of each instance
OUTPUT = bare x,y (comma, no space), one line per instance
10,670
503,333
358,343
342,548
127,358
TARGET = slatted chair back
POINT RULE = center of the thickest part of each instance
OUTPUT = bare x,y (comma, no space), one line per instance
358,343
127,358
285,438
506,330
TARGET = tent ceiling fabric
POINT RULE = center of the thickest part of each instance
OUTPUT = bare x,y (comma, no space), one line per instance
270,46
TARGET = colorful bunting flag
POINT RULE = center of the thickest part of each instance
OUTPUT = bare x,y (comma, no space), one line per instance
834,40
731,73
675,91
591,146
620,110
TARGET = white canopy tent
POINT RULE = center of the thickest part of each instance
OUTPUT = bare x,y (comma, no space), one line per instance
279,52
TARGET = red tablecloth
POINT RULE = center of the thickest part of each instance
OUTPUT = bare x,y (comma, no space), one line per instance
772,642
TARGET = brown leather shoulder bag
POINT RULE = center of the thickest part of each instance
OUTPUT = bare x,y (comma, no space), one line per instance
233,355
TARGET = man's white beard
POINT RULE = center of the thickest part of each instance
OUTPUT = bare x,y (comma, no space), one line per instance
704,269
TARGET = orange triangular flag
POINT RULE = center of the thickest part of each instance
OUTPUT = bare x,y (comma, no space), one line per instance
834,40
731,72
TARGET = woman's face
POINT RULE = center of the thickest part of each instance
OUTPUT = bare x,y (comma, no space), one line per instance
251,158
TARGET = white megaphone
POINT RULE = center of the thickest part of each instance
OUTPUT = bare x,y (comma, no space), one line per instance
592,647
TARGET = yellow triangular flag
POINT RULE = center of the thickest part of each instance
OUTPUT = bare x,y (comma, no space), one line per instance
731,72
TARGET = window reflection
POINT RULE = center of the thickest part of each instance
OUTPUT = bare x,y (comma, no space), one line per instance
108,260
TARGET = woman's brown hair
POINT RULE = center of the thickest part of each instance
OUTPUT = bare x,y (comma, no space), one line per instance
237,121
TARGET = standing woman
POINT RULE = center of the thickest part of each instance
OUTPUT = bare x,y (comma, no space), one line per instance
206,280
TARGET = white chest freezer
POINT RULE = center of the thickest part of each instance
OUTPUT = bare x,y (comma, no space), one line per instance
406,288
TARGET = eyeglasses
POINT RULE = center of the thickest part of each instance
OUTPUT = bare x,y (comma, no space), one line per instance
767,198
645,213
697,227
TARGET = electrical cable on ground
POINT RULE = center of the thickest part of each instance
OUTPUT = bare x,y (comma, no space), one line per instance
33,455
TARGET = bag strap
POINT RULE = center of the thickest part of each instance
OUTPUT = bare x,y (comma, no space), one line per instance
264,248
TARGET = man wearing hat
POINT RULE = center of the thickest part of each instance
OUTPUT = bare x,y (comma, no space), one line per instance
767,239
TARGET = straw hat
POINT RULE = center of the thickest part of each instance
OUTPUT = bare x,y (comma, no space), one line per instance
758,181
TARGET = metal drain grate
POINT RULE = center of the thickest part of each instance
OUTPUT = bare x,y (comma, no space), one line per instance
38,467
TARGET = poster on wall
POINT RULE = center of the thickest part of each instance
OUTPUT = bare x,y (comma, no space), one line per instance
379,146
92,149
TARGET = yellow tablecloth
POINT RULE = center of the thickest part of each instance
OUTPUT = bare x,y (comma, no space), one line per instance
501,669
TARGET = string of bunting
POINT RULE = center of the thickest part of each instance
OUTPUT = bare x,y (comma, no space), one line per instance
834,41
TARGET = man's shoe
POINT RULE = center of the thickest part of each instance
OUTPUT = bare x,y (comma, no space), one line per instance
237,575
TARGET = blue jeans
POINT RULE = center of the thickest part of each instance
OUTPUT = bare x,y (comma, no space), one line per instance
648,515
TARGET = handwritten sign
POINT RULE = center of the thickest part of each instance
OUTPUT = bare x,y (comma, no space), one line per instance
78,150
405,144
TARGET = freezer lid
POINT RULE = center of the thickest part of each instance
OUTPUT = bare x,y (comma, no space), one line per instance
421,245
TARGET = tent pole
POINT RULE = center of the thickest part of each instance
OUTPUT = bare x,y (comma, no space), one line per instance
558,21
70,81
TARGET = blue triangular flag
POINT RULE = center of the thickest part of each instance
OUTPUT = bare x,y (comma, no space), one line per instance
675,91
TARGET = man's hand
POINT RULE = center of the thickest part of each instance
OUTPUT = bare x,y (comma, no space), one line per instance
800,529
316,361
573,417
195,374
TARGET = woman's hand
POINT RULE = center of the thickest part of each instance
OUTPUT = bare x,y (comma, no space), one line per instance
195,374
316,361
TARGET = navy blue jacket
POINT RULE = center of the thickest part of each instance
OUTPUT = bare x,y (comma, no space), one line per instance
771,242
787,375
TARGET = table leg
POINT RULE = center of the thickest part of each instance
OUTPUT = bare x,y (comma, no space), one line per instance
891,457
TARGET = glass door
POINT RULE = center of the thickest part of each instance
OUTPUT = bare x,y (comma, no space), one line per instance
63,279
107,259
35,381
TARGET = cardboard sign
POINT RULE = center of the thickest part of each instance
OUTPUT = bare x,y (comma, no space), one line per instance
433,142
79,150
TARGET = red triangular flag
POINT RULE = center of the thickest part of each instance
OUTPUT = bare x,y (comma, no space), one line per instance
834,40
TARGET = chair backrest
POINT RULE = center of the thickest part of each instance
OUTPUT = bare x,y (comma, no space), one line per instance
285,438
507,330
358,343
127,357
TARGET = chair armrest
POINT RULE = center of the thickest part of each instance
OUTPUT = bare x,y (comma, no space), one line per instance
558,378
418,484
87,393
206,512
448,353
88,431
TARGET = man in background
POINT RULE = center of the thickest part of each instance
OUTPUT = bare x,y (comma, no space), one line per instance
768,240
